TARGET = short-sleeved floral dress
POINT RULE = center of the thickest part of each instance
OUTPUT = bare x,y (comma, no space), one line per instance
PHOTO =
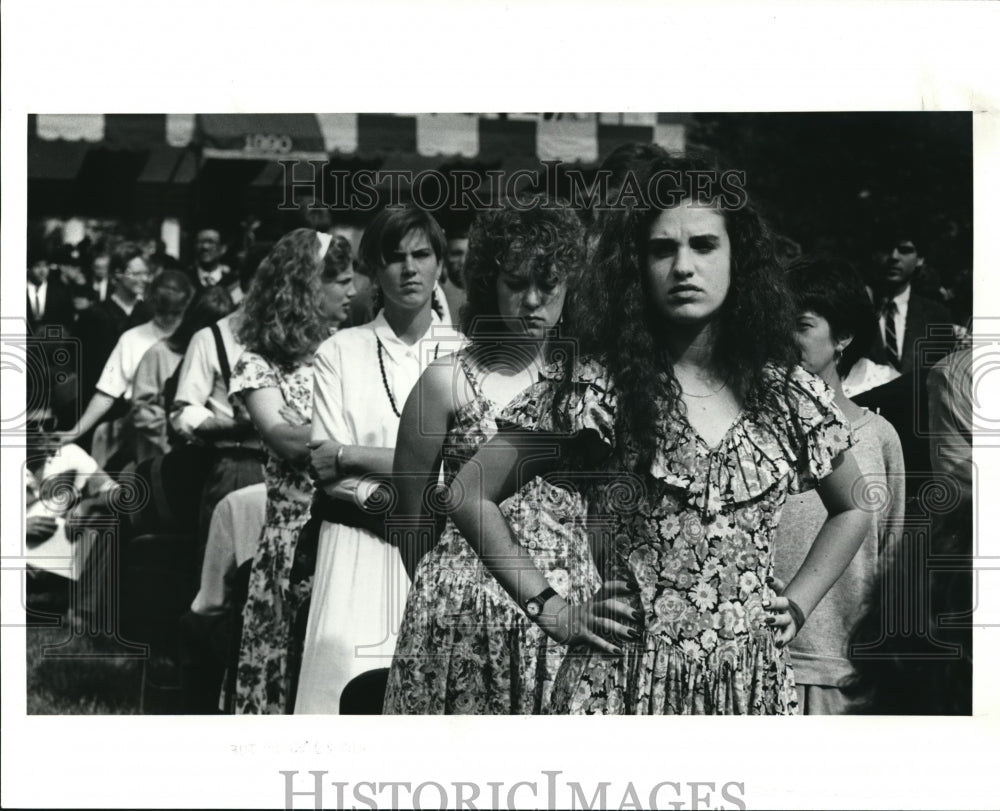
464,645
693,536
262,673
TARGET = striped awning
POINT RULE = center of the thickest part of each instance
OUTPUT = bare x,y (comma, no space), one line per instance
59,145
570,137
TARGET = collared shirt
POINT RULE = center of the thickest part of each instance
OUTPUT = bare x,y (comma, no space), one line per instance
119,370
865,375
37,295
210,278
351,399
100,286
902,305
201,390
447,316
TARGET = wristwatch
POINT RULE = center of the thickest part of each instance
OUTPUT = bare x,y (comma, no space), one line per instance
533,605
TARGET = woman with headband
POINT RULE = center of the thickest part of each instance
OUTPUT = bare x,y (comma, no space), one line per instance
300,293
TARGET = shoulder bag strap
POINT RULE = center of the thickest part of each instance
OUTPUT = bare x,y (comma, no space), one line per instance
220,349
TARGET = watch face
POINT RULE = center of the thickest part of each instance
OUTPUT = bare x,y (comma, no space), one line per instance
533,609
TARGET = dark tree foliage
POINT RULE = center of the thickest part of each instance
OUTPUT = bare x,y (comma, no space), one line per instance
849,183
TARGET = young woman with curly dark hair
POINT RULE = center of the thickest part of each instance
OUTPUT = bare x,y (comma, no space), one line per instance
686,407
464,646
299,294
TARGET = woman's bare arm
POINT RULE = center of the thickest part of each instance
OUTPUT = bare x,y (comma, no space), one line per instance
495,473
286,440
838,541
427,415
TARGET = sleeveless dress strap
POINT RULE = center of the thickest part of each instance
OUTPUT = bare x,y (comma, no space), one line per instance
466,362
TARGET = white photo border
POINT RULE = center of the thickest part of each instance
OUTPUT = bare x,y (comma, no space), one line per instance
316,56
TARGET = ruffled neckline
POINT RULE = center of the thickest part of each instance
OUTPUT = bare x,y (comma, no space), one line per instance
761,449
793,437
748,461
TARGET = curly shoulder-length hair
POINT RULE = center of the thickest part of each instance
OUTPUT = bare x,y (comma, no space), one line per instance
615,317
545,241
283,319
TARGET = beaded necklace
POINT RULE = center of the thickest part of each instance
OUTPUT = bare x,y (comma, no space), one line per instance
385,379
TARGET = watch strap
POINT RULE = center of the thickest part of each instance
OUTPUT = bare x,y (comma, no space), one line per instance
538,601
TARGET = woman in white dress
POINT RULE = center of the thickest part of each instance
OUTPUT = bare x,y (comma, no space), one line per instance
363,376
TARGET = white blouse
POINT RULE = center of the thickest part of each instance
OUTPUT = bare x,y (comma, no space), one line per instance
350,398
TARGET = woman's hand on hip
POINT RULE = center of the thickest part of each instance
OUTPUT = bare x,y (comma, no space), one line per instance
604,622
780,620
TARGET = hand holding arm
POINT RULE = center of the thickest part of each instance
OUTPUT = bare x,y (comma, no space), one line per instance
330,425
332,460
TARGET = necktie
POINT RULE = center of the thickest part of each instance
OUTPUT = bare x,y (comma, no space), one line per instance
891,342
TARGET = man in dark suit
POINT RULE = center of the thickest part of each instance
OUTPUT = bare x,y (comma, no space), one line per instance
904,316
100,326
208,269
100,277
50,316
49,303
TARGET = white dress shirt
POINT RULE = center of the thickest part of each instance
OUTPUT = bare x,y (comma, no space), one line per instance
37,295
201,391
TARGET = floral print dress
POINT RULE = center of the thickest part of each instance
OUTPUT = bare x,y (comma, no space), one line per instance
464,645
262,675
693,537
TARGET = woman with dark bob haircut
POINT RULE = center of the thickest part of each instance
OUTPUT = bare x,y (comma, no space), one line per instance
384,233
299,294
685,411
835,325
464,646
363,378
832,289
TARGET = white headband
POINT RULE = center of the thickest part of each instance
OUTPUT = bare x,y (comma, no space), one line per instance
324,243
